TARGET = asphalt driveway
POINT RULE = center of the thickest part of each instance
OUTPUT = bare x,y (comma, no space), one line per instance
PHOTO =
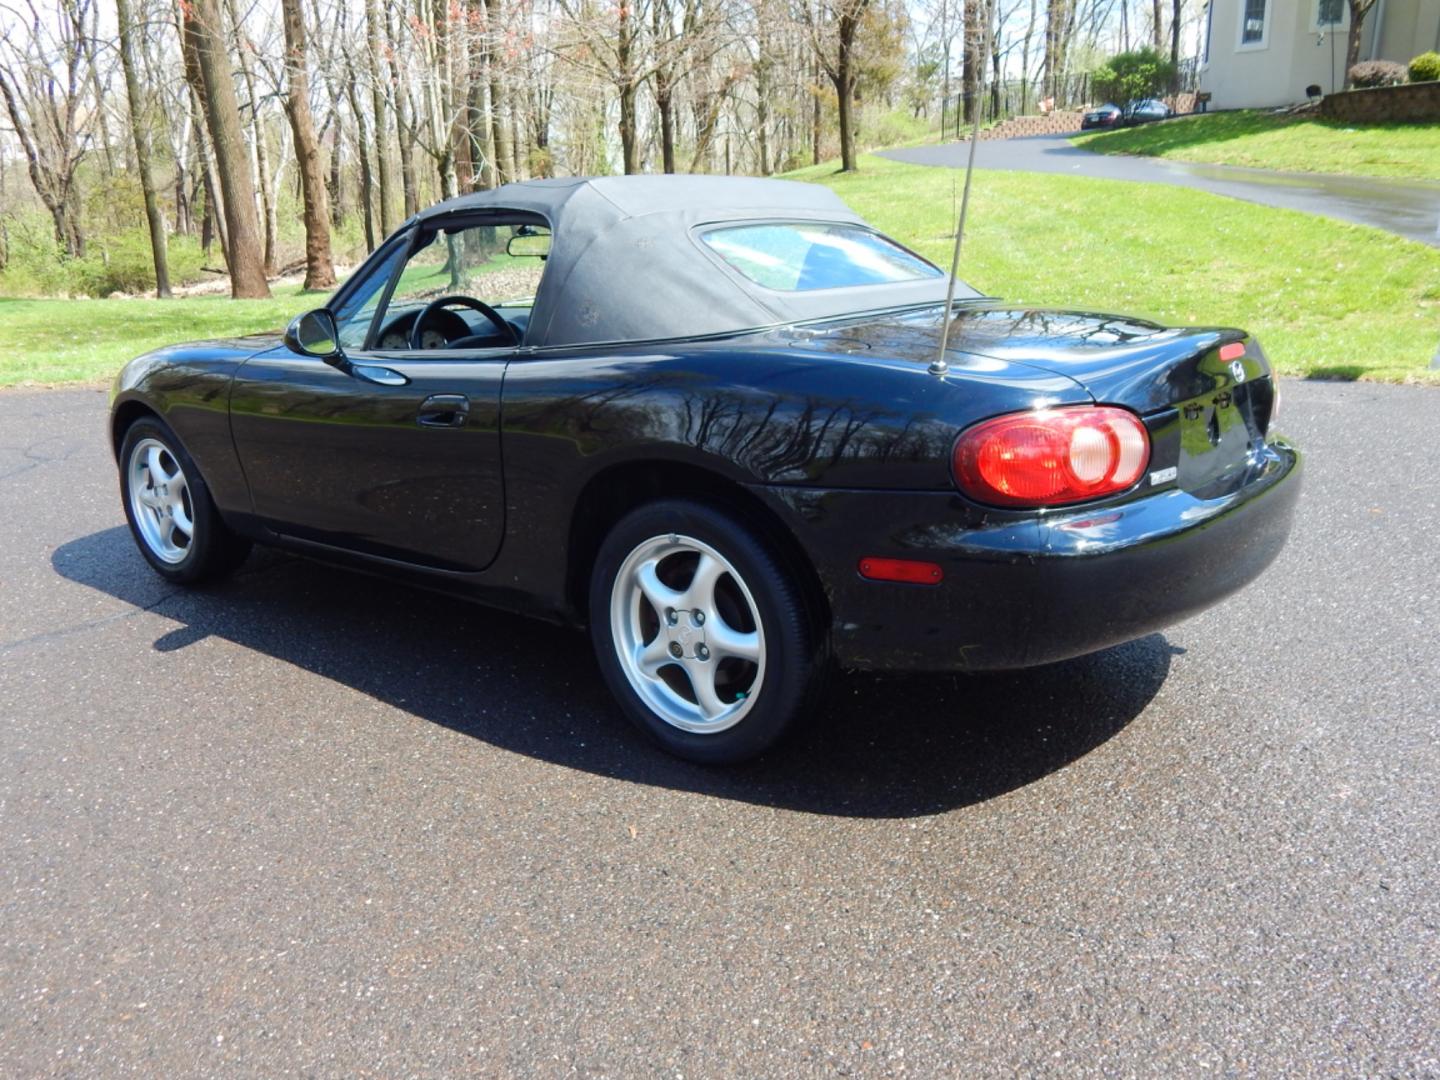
306,823
1409,208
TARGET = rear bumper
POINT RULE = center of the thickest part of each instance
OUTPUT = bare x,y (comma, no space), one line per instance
1019,592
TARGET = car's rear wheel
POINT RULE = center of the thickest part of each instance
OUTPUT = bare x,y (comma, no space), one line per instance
701,634
168,506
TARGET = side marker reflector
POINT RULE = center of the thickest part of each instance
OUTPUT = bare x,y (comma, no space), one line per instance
1233,351
907,570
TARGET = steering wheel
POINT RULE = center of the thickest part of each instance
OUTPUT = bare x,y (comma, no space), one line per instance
417,328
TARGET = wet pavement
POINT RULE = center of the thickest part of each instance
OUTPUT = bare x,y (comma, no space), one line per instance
1408,208
310,823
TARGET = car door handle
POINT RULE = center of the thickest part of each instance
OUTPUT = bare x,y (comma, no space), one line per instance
444,410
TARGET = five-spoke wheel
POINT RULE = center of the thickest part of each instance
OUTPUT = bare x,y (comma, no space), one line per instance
687,633
171,514
702,635
160,501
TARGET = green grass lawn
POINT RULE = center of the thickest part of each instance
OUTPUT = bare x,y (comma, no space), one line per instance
1327,299
60,341
1292,144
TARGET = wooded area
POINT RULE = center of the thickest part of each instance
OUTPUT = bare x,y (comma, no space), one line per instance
242,134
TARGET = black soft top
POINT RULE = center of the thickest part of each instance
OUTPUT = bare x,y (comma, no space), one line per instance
625,264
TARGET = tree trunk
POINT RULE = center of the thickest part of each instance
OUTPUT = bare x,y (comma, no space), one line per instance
665,106
384,173
268,216
815,115
973,59
1358,10
367,176
517,140
1175,19
404,125
625,84
503,136
142,150
213,223
319,269
844,80
1025,63
1157,31
629,137
247,266
335,185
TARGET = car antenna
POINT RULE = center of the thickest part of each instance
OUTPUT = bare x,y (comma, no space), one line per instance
940,365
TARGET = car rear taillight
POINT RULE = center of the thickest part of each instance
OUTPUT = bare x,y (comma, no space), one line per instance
1052,456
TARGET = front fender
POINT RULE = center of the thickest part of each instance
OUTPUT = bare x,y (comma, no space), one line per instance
188,387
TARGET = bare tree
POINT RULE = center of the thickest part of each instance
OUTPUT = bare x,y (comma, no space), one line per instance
45,90
205,28
384,171
139,116
1059,23
1176,14
259,145
319,268
833,26
1359,9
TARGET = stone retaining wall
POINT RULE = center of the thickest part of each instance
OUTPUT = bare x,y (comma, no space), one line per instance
1408,103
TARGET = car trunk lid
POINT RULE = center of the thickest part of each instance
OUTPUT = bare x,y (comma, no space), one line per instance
1205,408
1206,393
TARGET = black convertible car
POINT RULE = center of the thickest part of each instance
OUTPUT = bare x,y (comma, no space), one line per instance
706,418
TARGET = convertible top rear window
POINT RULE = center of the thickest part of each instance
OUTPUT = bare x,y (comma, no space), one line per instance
804,256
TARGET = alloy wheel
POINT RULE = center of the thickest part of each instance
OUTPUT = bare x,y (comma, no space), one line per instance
687,633
160,501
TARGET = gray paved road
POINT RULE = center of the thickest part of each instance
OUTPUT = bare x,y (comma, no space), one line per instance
1409,208
307,823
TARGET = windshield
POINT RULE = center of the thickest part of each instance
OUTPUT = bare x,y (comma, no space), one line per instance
801,257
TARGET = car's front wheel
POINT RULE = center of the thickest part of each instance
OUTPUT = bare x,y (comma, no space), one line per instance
700,632
168,506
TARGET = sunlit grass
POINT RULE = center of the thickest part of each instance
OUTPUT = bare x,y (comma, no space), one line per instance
60,341
1262,140
1326,298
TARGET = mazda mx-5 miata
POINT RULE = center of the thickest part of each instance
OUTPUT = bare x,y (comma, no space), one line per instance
708,418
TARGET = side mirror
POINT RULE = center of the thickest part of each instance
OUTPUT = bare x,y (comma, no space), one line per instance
314,334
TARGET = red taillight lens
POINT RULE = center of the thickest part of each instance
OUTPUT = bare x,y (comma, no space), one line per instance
1052,457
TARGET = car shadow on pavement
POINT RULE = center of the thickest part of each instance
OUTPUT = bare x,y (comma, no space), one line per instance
879,746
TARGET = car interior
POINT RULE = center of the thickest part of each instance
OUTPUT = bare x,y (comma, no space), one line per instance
464,287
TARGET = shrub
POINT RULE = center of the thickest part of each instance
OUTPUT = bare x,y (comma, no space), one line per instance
1131,75
1369,73
1425,67
115,262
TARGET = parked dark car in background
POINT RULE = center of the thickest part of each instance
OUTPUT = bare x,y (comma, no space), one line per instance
705,418
1102,116
1146,110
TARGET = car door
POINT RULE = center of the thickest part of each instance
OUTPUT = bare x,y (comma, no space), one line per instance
398,456
409,471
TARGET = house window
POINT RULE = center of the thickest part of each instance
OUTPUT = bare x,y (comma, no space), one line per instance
1252,24
1329,16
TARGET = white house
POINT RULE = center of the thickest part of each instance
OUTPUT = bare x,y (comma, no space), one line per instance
1266,52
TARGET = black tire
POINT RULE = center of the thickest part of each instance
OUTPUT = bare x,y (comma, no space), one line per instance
760,594
210,550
